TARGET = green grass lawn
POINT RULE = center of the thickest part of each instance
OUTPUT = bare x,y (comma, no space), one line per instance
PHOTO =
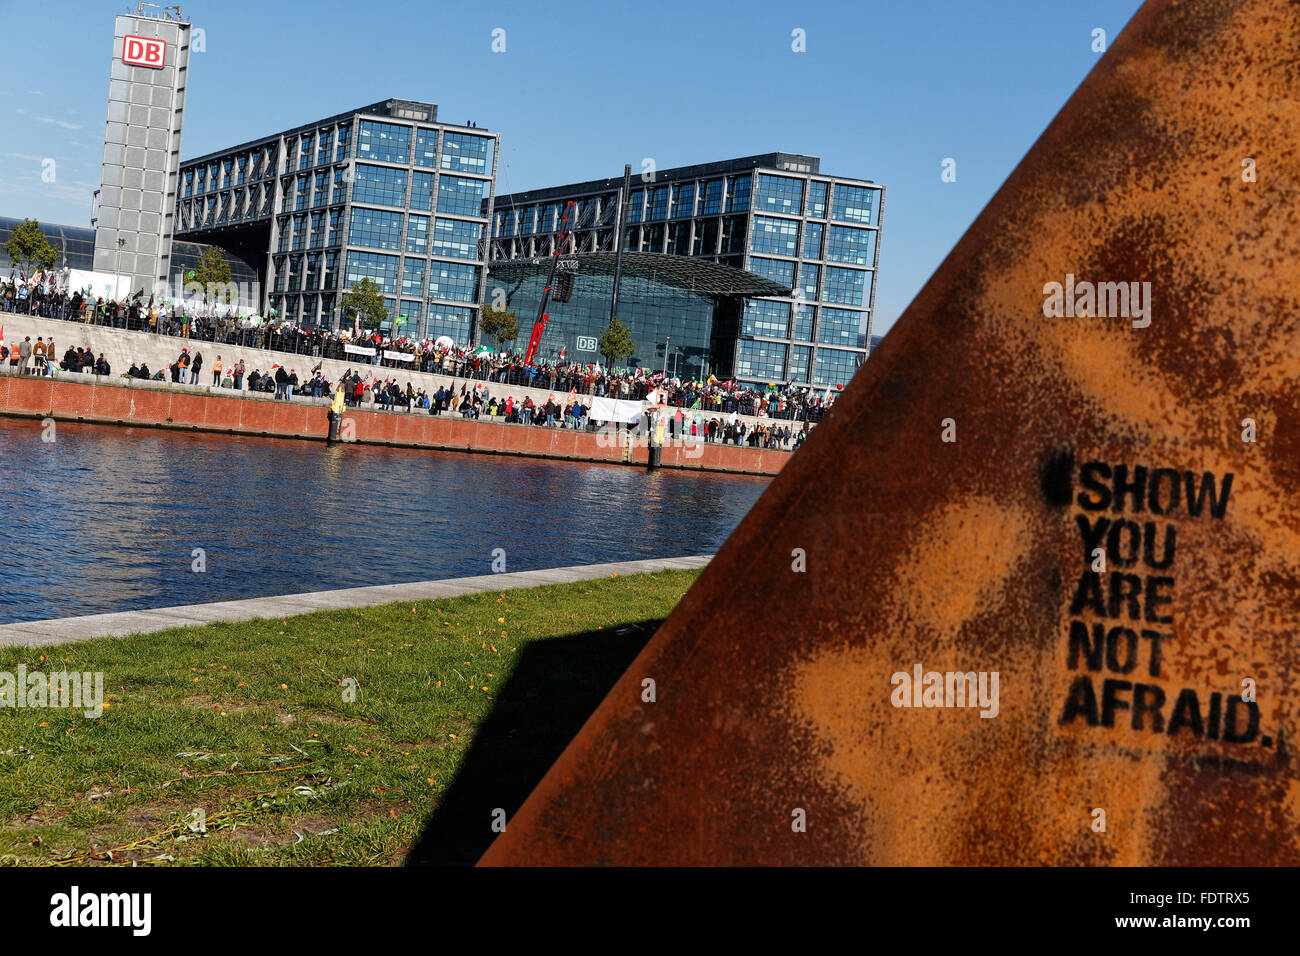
460,706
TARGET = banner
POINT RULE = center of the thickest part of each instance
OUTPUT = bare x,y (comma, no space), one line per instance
615,410
358,349
103,284
398,356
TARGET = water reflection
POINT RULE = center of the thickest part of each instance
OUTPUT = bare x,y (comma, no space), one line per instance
106,519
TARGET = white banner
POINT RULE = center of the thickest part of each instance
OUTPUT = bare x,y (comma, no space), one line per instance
100,283
357,349
615,410
398,356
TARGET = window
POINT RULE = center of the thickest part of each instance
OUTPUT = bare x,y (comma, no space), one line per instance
456,239
733,235
808,276
340,185
313,271
447,320
299,232
302,193
777,270
380,185
426,148
376,229
762,317
712,197
189,182
461,196
321,196
658,203
679,238
463,153
380,269
779,236
331,270
283,224
812,240
449,280
336,220
317,230
324,144
341,151
800,357
417,235
845,286
835,366
422,190
411,311
546,218
847,244
384,142
706,238
242,170
779,194
295,273
635,207
738,190
817,200
853,203
803,322
840,327
413,277
761,360
683,200
304,154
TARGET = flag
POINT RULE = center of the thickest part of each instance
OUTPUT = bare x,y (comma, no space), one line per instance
563,349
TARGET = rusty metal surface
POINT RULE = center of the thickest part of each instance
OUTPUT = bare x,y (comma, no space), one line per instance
774,685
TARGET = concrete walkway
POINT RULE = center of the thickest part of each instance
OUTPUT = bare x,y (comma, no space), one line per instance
67,630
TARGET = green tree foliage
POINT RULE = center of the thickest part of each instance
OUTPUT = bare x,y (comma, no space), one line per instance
213,273
499,325
615,342
364,300
29,248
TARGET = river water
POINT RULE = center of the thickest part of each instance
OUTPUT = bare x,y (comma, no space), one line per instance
106,518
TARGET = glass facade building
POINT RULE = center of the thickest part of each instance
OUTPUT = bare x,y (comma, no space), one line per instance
775,216
683,313
384,192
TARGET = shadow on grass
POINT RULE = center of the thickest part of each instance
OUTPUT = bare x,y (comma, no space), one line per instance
555,687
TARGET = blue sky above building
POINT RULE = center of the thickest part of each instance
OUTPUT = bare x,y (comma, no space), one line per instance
882,91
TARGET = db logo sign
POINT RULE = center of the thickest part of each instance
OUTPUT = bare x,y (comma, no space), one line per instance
586,343
144,51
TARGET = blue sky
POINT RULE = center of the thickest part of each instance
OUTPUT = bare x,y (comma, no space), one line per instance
885,91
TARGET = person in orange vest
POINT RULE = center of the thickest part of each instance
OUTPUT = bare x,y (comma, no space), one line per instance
216,372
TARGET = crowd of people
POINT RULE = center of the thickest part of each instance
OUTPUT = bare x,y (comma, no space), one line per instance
472,401
386,352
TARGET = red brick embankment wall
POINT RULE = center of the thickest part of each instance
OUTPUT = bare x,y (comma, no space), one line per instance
164,406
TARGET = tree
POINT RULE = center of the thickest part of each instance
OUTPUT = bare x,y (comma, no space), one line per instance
616,342
29,248
500,325
364,300
213,274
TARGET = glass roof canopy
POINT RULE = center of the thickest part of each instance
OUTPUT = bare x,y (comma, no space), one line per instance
696,275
